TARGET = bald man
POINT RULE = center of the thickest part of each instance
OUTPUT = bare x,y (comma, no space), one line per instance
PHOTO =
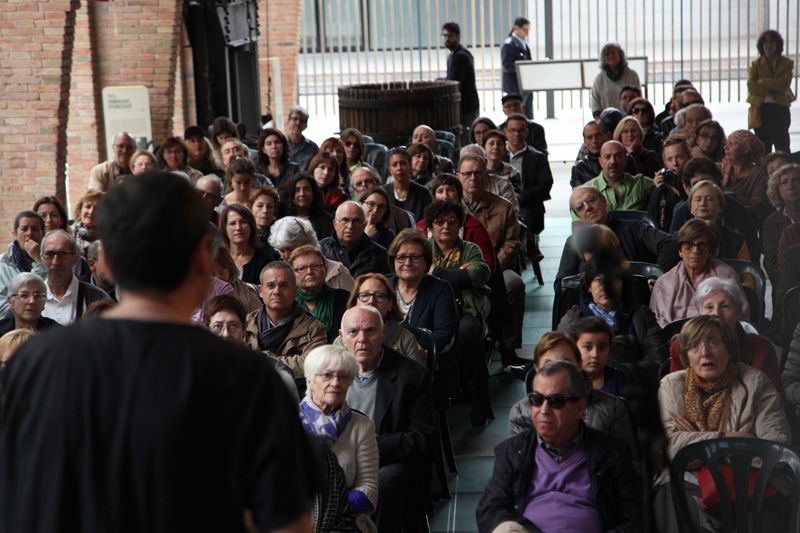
425,135
350,245
106,174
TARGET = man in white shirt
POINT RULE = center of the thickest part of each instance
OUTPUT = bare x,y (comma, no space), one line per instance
67,297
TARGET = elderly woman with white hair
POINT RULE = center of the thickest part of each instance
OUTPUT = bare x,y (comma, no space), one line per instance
724,298
288,233
324,412
26,297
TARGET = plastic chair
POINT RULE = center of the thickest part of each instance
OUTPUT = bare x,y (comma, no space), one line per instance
739,454
567,294
673,328
648,270
756,300
447,149
791,316
632,214
376,156
368,139
445,135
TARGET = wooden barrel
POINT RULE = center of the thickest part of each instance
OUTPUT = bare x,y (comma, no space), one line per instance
389,112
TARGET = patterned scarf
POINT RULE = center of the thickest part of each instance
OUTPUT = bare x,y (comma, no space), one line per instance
329,427
609,316
451,260
708,403
21,260
323,311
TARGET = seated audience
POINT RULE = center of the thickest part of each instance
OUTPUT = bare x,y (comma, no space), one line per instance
607,293
775,160
376,204
674,291
743,174
273,157
555,467
627,94
288,233
594,338
221,130
325,413
461,264
335,146
173,156
426,135
715,397
301,149
494,147
365,179
513,105
325,303
588,166
27,293
426,301
422,163
688,96
642,111
225,269
724,298
396,394
99,275
788,258
376,291
672,104
668,194
350,245
405,193
67,296
200,153
210,188
639,241
23,254
84,229
263,203
238,230
240,177
52,212
282,328
301,197
631,135
107,173
499,185
706,202
355,149
325,169
783,190
709,140
621,190
687,119
11,341
233,148
791,371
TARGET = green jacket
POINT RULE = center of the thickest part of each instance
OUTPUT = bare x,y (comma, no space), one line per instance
635,192
468,283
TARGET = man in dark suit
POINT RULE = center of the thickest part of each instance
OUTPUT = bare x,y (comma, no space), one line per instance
515,48
461,68
395,392
512,105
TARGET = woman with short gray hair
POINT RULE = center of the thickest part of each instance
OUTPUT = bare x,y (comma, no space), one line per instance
288,233
27,293
329,371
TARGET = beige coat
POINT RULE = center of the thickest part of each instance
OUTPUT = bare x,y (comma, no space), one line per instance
764,78
755,408
306,334
500,220
357,453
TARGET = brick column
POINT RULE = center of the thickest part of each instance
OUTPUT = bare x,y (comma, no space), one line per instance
36,45
279,25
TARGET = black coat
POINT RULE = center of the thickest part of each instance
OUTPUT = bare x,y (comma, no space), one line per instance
461,68
8,323
536,136
616,487
511,52
365,258
537,181
434,309
251,272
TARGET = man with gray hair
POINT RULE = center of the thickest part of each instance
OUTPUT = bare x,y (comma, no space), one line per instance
67,296
99,276
302,149
688,118
351,246
210,187
395,392
561,464
107,173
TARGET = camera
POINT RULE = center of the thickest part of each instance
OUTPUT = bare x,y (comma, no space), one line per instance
669,176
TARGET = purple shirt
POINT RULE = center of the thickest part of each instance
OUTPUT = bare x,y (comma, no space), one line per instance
217,287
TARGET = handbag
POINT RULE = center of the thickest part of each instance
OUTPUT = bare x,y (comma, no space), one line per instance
709,497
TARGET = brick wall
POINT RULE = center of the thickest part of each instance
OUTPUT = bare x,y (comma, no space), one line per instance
279,24
36,46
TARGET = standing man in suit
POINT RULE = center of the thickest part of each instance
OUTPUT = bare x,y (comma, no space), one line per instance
395,392
515,48
461,68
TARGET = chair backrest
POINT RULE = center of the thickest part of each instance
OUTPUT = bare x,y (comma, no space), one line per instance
632,214
367,138
425,339
447,149
741,514
791,316
673,328
756,300
567,294
445,136
648,270
376,156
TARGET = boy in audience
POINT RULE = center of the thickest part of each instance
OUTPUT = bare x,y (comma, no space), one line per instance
594,339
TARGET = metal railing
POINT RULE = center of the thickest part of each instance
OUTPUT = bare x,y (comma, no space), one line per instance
710,42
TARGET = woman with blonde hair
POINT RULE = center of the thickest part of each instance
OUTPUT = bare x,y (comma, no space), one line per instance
11,341
85,227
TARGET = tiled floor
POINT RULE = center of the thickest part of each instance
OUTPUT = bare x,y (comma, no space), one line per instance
474,447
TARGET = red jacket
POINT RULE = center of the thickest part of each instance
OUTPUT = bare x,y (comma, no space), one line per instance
474,231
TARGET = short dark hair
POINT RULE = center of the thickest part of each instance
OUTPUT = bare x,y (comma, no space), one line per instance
224,302
380,192
448,179
150,228
239,165
410,236
401,151
287,190
438,208
28,214
222,125
772,35
53,200
700,164
452,27
633,88
590,324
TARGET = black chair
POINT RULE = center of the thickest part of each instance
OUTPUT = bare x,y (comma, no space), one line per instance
744,514
447,149
791,316
673,328
376,156
756,300
632,214
567,294
648,270
663,369
368,139
445,136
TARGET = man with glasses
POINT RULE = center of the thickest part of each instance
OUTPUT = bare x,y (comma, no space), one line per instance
301,149
638,239
67,296
210,188
561,470
395,392
23,254
461,68
588,167
26,301
512,105
351,246
106,174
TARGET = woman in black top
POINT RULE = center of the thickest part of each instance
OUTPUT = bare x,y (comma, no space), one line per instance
403,191
301,197
273,156
238,228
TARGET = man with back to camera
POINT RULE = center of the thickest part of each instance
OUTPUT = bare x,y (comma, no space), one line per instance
461,68
143,422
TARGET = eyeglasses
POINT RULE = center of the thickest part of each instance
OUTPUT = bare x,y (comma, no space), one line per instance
445,222
350,143
349,221
379,297
555,401
711,344
305,268
473,174
404,258
373,205
700,245
517,130
52,254
328,375
211,195
231,327
37,296
638,110
581,207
